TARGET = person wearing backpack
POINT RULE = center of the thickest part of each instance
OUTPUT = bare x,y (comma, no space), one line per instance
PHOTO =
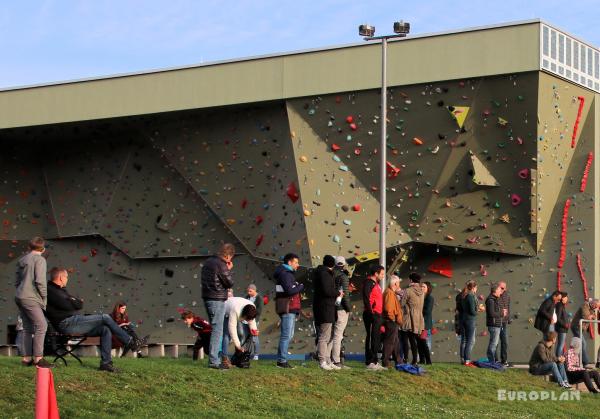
342,283
324,295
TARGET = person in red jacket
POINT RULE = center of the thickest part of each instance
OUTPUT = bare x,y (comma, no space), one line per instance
120,316
373,307
202,328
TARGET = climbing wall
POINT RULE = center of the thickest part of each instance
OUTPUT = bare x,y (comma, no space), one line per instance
487,180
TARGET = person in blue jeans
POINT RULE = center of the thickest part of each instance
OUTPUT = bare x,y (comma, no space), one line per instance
562,323
493,320
287,304
217,279
544,360
62,311
469,310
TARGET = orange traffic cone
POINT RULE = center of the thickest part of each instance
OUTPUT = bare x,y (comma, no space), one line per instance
45,397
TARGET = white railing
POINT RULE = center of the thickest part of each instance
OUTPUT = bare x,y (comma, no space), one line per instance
569,58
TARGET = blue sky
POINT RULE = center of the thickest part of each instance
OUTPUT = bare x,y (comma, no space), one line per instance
53,40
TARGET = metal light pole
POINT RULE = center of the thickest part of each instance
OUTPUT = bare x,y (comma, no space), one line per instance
401,29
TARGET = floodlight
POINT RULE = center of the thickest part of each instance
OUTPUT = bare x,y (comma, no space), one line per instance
401,27
366,30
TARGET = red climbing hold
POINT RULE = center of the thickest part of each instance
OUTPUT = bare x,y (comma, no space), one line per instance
260,239
349,119
356,207
392,171
442,266
292,192
335,147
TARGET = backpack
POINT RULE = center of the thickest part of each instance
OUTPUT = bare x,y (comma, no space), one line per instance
242,359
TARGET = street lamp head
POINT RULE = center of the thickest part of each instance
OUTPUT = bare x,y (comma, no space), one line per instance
366,30
401,27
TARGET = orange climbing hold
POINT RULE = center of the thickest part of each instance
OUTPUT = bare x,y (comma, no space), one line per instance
417,141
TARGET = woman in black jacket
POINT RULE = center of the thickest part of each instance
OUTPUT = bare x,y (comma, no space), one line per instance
562,323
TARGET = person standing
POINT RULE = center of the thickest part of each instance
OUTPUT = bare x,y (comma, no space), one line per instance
413,323
254,297
586,312
392,319
505,308
493,320
31,297
373,307
562,323
324,295
428,303
469,310
545,318
342,283
287,304
217,279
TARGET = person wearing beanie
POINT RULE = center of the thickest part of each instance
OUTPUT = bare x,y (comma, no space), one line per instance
342,283
324,295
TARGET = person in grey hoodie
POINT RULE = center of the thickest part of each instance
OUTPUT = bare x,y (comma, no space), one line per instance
31,298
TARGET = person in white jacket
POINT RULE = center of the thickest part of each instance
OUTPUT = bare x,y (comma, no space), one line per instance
240,316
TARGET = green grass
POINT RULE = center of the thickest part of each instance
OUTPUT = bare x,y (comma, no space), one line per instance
170,388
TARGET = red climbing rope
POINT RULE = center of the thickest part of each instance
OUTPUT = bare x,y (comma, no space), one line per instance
563,235
586,171
576,126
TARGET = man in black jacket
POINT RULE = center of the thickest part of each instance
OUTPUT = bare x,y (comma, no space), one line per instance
216,279
562,323
506,320
546,315
342,283
324,309
62,311
493,320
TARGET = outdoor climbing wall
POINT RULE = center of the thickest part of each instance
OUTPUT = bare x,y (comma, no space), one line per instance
485,182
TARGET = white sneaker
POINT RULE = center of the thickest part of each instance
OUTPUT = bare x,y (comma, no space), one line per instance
325,366
335,367
372,366
380,367
255,358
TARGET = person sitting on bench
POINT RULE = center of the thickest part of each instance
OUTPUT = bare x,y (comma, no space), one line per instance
62,311
544,360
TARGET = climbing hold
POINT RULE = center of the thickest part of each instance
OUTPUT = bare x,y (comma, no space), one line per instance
417,141
347,222
353,126
505,219
303,159
335,147
344,168
515,199
356,207
441,266
502,122
292,192
524,173
336,238
459,113
307,212
392,171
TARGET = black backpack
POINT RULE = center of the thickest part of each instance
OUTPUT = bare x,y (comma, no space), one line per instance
242,359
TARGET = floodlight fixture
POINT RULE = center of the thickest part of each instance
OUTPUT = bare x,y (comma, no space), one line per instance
366,30
402,28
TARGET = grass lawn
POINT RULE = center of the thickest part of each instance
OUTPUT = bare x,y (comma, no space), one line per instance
178,388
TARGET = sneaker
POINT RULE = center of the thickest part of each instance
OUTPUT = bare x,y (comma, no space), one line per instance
27,363
380,367
217,367
284,365
108,367
325,366
506,364
373,367
470,364
226,363
42,363
140,354
335,367
342,366
132,346
255,358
